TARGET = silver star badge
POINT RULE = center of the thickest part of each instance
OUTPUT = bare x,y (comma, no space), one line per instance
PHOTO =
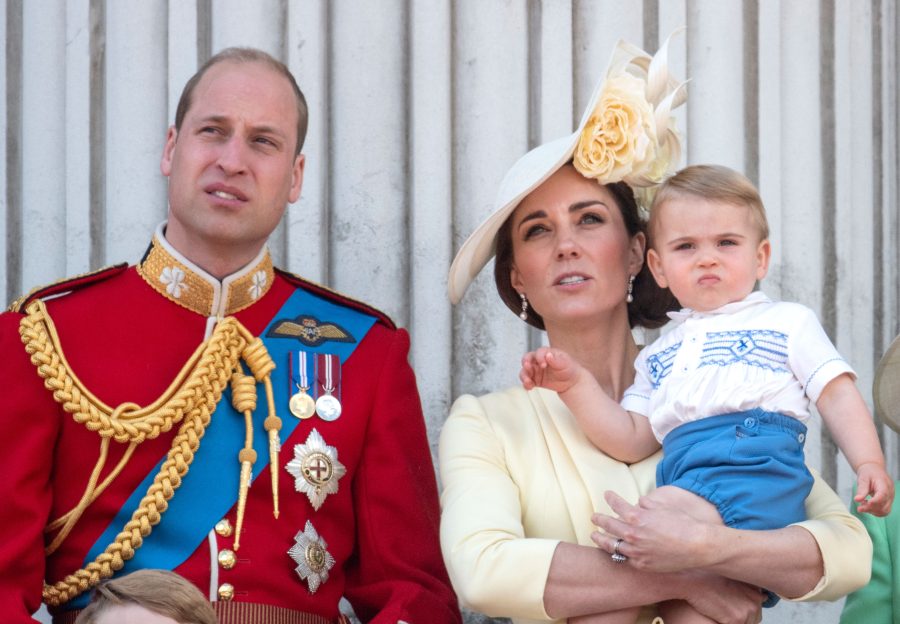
316,469
312,558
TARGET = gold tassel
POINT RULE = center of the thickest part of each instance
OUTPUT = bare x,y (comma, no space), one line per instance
243,397
273,426
261,365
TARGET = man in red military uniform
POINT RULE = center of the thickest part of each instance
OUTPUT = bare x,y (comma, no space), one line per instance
206,413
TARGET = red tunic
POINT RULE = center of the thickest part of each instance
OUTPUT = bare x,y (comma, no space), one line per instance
127,340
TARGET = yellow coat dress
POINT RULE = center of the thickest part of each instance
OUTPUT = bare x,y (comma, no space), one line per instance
519,477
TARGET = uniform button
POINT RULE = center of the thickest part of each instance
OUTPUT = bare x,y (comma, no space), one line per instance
227,559
801,437
224,528
226,592
749,422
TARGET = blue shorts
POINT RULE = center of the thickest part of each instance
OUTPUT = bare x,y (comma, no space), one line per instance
748,464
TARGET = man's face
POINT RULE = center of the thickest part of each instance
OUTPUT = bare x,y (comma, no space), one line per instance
231,166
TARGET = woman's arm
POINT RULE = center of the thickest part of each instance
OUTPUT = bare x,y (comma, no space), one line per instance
499,571
822,558
584,580
494,568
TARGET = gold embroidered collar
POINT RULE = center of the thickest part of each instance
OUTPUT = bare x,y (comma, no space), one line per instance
179,280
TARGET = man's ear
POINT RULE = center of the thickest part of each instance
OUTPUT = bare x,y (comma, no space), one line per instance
297,178
165,164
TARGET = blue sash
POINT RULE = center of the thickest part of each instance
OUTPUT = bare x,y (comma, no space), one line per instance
209,489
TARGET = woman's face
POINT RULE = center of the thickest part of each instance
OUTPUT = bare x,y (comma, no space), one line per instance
572,255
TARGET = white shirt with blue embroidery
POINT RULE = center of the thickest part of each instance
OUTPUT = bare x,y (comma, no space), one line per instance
751,353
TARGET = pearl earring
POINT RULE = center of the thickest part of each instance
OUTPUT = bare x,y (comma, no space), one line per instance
524,313
628,296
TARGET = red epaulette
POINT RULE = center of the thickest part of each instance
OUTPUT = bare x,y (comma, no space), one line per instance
66,285
331,295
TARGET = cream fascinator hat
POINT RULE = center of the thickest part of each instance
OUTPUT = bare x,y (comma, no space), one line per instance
626,134
886,389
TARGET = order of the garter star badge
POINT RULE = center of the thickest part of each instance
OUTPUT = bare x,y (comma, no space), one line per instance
316,469
312,557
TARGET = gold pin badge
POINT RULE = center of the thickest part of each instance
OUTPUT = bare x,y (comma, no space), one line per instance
316,469
310,552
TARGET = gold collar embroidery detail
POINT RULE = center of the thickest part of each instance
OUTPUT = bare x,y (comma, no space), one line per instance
178,280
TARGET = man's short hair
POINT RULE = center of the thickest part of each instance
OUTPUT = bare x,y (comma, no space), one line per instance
246,55
160,591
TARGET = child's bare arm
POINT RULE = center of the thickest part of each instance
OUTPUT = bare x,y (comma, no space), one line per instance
618,433
850,423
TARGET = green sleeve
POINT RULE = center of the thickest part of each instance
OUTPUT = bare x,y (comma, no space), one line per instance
874,603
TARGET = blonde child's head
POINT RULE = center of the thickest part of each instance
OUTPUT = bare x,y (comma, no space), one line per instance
148,596
708,236
715,183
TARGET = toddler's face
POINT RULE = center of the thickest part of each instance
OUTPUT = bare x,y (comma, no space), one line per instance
707,252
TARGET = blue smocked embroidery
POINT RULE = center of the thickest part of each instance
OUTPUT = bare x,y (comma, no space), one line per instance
764,348
659,364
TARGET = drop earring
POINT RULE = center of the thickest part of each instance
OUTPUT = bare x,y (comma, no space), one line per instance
524,313
628,296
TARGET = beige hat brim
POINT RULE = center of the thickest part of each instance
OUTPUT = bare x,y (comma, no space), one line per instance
527,174
535,167
886,389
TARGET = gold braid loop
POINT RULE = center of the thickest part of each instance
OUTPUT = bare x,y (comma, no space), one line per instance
191,398
127,422
257,358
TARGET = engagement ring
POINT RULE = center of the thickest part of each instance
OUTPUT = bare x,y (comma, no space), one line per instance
617,556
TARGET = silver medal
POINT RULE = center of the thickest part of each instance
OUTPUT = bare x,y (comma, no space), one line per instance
312,557
328,407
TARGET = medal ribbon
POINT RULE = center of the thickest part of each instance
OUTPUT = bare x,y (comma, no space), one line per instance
328,374
303,383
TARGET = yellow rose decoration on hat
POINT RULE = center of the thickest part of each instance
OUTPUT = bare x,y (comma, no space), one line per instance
619,139
629,134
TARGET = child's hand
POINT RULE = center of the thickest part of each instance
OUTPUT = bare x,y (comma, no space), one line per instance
549,368
874,489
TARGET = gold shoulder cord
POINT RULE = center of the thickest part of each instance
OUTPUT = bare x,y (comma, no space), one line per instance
191,398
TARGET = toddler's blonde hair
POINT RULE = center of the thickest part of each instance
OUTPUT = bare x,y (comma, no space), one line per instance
713,182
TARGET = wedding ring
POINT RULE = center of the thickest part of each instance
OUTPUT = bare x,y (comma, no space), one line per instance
617,556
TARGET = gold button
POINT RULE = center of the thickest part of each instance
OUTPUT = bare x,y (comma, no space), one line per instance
226,592
227,559
223,528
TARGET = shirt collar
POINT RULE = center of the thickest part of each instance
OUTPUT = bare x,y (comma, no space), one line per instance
181,281
754,298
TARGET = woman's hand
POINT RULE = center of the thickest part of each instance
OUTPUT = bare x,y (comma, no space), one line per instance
665,532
